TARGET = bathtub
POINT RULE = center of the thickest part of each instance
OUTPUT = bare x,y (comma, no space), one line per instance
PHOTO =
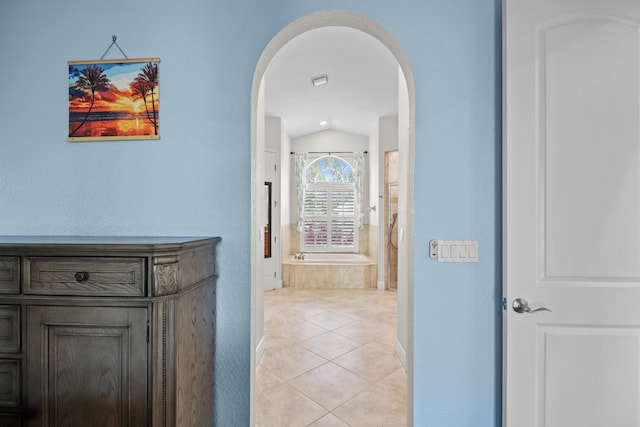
329,271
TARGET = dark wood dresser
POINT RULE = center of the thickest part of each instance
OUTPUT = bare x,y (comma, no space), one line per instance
107,331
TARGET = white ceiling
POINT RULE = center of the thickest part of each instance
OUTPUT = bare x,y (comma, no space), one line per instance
363,82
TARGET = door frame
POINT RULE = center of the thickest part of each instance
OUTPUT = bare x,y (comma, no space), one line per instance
291,31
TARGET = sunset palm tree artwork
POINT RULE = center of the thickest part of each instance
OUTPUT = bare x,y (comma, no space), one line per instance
113,99
144,86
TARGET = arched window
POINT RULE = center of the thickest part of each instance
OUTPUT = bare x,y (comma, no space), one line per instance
330,169
330,214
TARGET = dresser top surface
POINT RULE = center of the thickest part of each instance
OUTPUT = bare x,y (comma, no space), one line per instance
148,242
99,240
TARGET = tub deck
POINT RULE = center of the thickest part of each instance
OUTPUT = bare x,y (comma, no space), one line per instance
330,271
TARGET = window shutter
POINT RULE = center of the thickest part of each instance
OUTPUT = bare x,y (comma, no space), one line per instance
316,202
316,233
343,211
343,202
343,233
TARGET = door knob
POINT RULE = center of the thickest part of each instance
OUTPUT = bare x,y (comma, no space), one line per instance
520,305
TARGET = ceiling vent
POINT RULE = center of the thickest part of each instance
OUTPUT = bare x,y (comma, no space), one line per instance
320,80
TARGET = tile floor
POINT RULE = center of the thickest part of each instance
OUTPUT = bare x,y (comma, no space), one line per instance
329,360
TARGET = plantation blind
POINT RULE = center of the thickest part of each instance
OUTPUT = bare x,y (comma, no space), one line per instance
330,218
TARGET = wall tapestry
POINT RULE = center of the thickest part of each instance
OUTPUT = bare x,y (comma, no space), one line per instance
113,100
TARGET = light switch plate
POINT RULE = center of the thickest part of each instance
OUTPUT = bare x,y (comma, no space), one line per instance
454,250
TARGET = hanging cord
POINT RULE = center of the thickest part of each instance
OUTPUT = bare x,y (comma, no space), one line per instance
113,38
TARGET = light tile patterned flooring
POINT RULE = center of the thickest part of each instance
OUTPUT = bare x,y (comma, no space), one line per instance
330,360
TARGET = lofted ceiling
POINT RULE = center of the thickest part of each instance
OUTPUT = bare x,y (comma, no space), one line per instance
362,82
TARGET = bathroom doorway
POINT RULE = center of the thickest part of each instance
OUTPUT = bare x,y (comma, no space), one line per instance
404,218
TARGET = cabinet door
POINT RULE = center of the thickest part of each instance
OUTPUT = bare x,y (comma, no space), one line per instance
87,366
8,420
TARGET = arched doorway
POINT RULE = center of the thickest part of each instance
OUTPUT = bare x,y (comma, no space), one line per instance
406,143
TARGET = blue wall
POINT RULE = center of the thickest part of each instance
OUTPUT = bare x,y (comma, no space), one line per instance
195,180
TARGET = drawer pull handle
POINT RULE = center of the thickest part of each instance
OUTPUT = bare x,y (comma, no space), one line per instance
82,276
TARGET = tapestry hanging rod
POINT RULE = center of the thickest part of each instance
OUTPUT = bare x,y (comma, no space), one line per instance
331,152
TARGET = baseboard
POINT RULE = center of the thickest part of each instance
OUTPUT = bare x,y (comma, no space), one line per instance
402,354
260,350
381,286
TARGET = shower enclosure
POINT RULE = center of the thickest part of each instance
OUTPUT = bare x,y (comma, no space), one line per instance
390,240
392,236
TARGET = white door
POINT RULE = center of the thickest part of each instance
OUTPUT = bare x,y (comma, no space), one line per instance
271,226
572,212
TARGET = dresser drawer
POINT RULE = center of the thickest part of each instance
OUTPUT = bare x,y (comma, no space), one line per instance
9,383
84,276
9,329
9,420
9,275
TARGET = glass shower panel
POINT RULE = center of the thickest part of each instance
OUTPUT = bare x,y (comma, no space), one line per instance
392,236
